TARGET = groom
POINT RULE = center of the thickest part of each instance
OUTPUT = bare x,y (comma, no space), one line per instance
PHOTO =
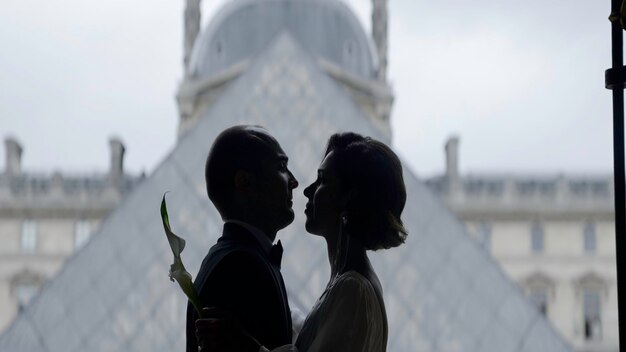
249,183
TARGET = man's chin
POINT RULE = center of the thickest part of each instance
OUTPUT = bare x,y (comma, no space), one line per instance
288,218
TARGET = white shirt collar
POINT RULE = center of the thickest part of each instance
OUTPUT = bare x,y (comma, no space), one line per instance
265,242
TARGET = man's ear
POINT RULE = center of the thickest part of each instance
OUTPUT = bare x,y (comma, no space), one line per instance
244,181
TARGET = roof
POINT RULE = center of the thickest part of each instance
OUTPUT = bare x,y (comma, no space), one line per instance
442,291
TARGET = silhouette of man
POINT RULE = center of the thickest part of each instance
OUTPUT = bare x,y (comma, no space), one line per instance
249,183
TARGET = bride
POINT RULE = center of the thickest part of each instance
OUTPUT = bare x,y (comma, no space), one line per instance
355,204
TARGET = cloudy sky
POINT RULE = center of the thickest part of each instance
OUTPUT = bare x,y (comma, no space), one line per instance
520,82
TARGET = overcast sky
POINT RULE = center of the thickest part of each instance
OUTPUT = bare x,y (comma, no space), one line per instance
520,82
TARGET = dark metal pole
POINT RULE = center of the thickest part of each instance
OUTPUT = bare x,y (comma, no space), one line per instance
615,81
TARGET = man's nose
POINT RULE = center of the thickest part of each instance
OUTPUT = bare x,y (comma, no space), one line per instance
293,183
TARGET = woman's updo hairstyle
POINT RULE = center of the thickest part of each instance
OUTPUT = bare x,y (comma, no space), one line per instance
371,174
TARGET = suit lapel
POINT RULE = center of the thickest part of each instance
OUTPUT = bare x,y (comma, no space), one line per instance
238,234
237,237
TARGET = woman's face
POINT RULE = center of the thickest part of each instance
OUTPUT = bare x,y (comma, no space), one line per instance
324,205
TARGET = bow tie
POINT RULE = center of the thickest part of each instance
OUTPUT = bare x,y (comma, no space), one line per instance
276,254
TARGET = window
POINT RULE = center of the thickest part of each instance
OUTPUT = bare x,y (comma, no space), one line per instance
536,238
82,232
24,293
600,189
24,286
495,188
483,235
589,238
547,188
219,50
539,297
350,52
29,236
591,315
591,288
540,288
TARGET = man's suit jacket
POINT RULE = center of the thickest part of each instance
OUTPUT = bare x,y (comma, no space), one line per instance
236,275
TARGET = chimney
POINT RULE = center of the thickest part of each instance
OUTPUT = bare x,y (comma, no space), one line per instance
117,158
379,34
13,162
452,162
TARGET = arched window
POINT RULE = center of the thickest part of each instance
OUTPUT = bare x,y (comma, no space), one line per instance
24,286
592,322
539,297
591,290
539,288
24,292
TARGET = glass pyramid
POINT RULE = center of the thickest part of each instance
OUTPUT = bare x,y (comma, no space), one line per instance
443,293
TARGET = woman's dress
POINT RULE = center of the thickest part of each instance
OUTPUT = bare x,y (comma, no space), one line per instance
347,317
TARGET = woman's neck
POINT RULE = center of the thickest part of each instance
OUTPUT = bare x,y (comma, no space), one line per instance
354,257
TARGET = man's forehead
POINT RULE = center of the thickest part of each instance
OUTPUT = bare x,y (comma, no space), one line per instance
262,134
276,153
273,156
273,149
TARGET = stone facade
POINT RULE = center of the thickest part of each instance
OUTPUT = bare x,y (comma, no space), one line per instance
554,235
45,218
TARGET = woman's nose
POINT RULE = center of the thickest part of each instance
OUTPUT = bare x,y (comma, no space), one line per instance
307,191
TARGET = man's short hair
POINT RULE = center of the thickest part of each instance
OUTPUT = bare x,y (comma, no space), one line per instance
236,148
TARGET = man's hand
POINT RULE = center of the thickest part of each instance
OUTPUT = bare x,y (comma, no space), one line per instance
219,331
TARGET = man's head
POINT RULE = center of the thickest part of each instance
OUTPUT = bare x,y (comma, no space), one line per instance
247,178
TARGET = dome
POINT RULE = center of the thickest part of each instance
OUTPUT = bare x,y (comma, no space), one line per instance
241,29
